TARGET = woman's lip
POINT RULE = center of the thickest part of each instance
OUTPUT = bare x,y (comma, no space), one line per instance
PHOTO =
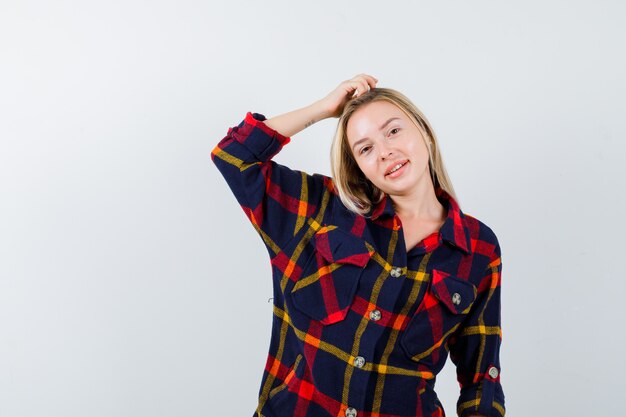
398,172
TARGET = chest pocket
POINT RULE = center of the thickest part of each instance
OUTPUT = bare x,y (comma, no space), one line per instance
446,303
330,277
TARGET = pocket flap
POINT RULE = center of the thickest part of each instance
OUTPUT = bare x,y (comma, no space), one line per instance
455,293
339,246
330,277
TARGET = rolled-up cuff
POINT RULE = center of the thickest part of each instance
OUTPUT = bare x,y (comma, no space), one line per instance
484,397
261,140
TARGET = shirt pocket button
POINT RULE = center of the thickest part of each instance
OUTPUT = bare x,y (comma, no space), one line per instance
447,301
456,298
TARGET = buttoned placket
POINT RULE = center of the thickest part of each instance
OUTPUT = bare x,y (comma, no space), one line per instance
395,277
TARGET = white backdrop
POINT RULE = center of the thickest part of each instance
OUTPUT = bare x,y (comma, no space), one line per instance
132,284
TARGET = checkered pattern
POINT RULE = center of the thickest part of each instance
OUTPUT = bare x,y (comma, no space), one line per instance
361,326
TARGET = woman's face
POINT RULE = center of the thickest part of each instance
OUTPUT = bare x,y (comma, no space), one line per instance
380,137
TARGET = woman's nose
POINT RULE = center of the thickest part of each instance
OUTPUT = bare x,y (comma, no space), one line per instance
384,151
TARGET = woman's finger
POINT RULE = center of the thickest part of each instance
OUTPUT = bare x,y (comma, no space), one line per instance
360,84
355,87
358,89
370,80
362,88
366,82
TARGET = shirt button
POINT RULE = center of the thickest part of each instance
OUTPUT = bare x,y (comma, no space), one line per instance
456,298
359,361
350,412
396,272
493,372
375,315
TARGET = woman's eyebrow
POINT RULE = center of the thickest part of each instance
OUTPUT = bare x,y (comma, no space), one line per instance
381,128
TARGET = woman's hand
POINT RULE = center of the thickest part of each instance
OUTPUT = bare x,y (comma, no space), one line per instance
332,105
335,101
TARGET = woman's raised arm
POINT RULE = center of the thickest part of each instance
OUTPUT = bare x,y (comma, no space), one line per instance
288,124
278,200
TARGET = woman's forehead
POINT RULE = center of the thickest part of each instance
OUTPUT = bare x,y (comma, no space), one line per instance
376,110
371,118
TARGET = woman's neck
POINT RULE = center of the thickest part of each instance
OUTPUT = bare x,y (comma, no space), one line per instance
421,205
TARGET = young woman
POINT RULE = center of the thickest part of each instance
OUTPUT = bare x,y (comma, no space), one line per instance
377,273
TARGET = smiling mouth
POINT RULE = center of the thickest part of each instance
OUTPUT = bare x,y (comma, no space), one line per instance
397,169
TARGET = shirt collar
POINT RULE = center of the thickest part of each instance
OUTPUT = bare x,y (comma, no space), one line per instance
453,230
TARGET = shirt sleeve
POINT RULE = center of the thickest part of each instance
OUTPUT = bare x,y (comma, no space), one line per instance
276,199
475,348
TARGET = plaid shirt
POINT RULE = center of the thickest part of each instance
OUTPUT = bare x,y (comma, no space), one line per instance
361,326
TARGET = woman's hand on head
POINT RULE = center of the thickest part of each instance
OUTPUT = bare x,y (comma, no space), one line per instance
288,124
335,101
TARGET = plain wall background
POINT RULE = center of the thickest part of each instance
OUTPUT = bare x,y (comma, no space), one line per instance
132,284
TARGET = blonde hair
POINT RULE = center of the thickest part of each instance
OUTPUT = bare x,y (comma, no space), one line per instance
358,193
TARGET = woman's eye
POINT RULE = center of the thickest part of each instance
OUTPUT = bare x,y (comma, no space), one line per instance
364,148
394,129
